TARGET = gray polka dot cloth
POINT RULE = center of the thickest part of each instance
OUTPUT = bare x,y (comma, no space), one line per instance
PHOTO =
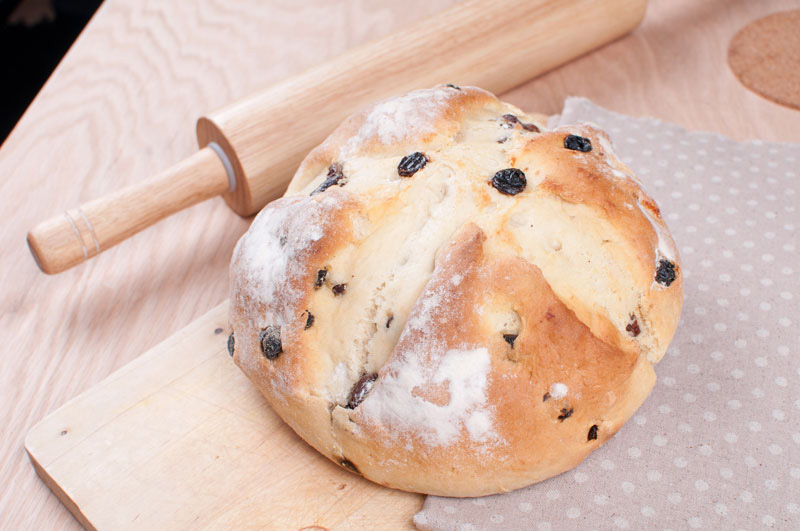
717,443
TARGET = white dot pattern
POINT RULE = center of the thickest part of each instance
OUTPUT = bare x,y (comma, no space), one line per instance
717,444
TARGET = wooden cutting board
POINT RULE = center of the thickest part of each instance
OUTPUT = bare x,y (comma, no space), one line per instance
180,439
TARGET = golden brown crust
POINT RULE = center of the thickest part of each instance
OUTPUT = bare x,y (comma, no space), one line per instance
603,184
497,325
535,436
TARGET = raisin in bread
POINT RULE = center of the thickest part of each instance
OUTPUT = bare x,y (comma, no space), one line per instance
451,299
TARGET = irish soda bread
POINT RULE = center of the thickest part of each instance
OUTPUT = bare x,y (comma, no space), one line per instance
451,299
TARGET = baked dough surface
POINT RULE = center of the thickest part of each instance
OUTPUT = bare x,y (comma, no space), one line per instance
438,325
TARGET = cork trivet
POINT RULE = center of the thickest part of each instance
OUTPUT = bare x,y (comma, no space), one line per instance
765,56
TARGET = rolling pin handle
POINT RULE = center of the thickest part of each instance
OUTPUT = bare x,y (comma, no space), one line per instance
81,233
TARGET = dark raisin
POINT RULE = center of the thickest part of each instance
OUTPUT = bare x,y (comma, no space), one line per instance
349,465
339,289
411,164
633,327
502,140
592,433
565,414
282,240
510,339
321,274
389,321
309,320
453,86
510,118
360,390
545,397
335,176
231,344
510,181
217,331
530,127
577,143
665,274
270,339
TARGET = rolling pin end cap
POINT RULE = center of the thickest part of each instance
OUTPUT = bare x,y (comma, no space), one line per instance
48,251
35,252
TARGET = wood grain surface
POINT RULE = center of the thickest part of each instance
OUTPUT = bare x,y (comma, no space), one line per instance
122,106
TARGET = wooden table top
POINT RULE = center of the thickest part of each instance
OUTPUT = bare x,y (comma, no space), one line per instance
122,105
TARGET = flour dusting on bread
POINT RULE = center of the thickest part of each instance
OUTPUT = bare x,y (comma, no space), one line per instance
410,116
271,255
464,375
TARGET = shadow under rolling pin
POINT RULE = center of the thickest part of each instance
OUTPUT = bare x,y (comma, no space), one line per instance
251,148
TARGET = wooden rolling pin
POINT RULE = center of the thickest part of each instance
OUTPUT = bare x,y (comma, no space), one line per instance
250,149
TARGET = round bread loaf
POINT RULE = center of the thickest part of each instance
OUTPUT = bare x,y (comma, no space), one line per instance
451,299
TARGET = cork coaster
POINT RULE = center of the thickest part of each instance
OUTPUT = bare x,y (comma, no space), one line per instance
765,56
